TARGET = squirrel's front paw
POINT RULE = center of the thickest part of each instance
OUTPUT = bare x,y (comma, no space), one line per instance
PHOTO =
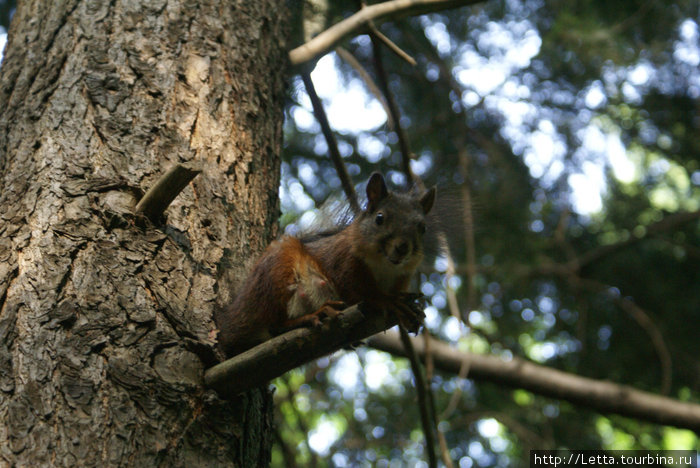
332,309
409,309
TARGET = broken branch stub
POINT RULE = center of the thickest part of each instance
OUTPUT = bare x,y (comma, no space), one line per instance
163,192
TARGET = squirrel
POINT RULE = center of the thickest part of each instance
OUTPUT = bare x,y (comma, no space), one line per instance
297,280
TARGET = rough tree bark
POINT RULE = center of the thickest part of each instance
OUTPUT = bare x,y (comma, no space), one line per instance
105,318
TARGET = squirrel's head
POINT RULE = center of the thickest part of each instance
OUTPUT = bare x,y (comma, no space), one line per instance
393,225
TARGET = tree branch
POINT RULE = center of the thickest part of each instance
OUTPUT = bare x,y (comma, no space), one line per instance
377,13
576,264
164,191
287,451
429,372
372,87
528,437
422,391
332,143
643,319
602,396
469,238
657,339
285,352
391,45
393,109
301,426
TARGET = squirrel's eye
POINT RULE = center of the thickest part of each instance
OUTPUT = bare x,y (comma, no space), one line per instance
421,228
379,219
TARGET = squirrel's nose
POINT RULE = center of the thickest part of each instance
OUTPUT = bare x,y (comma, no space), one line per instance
402,248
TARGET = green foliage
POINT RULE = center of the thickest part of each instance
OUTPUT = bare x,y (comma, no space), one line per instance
565,76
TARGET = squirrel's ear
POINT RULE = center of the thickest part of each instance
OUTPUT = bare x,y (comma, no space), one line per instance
428,199
376,191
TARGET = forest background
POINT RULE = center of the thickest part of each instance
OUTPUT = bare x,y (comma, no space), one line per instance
563,138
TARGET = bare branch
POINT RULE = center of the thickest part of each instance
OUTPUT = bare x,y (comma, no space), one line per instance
529,437
282,353
444,449
391,45
301,426
429,372
287,452
164,191
657,339
452,302
369,82
468,217
378,13
643,319
457,394
394,109
422,390
340,168
602,396
571,268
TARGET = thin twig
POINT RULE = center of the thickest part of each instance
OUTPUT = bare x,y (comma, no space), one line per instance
345,55
287,452
393,108
426,418
340,168
429,371
391,45
164,191
468,229
618,28
444,450
530,437
456,395
425,397
429,363
570,270
665,224
453,305
452,302
378,13
301,425
657,339
643,320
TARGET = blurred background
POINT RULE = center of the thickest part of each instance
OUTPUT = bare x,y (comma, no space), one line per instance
564,138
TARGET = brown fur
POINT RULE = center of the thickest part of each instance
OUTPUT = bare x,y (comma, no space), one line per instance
295,280
260,308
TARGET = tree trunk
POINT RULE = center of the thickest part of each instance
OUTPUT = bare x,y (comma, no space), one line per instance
106,318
